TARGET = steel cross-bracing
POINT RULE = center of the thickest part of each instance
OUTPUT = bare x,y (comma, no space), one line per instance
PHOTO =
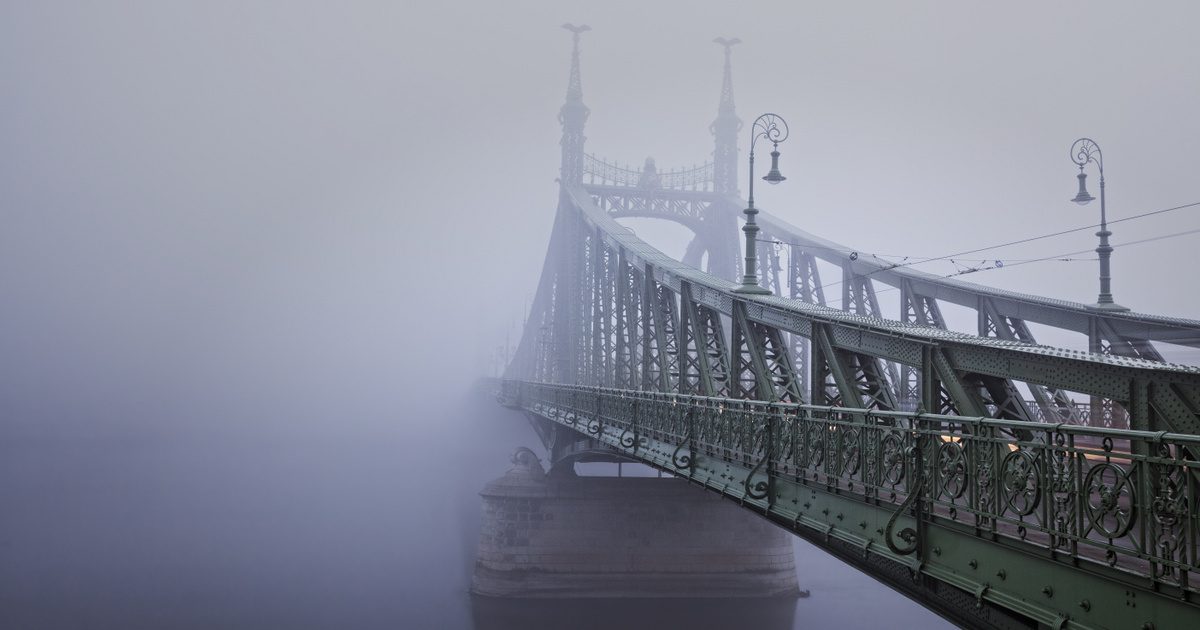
704,199
591,323
956,467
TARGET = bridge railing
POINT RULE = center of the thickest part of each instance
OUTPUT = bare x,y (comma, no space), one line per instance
598,171
1113,501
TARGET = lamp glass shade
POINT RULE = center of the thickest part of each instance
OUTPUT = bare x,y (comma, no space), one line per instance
774,176
1083,197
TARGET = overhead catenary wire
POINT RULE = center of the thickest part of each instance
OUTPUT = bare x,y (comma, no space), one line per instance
1064,257
1059,233
909,260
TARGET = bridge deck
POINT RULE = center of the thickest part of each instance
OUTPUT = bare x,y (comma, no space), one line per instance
1005,510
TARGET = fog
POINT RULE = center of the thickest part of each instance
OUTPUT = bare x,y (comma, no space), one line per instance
253,255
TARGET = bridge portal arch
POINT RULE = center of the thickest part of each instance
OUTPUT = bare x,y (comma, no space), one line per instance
684,196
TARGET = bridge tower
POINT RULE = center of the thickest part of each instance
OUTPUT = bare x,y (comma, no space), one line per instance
719,238
573,115
564,325
725,129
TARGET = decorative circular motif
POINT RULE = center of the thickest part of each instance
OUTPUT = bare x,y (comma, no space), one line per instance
681,459
952,470
1110,499
1086,150
850,458
892,462
769,126
818,453
1020,487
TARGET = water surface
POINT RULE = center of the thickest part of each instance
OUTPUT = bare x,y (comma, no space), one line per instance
344,524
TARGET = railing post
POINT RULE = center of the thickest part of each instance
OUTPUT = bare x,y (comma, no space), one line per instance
769,446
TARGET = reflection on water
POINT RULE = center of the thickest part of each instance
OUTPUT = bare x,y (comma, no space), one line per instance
632,614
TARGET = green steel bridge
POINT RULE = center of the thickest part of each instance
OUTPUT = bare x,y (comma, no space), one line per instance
1001,483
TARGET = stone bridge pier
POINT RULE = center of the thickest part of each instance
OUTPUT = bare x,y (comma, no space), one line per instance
559,535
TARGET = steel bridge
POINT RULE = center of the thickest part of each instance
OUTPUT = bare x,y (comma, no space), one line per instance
962,470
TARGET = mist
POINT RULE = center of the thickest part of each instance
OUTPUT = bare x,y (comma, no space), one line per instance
255,256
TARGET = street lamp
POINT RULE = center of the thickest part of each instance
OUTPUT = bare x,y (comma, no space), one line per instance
1083,151
774,129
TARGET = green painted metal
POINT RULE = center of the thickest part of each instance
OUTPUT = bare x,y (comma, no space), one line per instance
1009,523
984,514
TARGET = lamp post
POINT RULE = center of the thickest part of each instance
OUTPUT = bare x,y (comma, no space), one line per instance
774,129
1083,152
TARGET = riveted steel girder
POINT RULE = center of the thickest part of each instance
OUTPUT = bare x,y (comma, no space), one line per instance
804,284
761,361
858,297
1054,403
703,357
1174,390
973,358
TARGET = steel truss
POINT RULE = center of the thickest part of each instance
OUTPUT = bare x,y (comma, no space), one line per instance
900,446
613,304
705,199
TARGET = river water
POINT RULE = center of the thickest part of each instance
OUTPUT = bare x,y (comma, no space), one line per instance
343,524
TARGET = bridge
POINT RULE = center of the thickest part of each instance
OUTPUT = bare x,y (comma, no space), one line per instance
1001,483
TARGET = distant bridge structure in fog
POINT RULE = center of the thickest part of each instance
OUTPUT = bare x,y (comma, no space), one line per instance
961,469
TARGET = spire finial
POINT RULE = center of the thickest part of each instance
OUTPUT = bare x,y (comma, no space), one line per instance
575,84
727,84
573,115
725,128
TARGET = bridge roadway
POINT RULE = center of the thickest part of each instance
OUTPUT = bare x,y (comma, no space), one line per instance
1004,524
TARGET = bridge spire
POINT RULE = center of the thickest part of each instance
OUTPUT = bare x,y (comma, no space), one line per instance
573,115
725,129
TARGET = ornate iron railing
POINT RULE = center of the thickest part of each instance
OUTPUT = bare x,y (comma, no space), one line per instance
598,171
1117,501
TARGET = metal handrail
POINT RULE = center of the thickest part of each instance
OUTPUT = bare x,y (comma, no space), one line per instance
1115,500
